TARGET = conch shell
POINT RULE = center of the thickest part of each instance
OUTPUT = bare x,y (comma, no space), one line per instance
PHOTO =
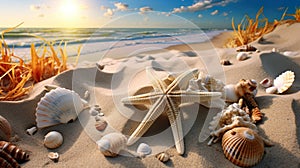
18,154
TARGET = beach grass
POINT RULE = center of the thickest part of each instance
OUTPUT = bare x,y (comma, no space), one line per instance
18,76
250,29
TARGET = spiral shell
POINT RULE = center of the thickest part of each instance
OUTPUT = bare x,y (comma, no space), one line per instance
5,129
111,144
163,157
284,81
18,154
8,161
243,146
60,105
53,140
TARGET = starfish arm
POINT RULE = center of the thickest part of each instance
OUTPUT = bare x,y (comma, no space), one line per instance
154,112
194,96
182,80
158,85
176,126
141,99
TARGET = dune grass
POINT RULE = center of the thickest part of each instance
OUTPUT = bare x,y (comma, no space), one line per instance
250,29
17,77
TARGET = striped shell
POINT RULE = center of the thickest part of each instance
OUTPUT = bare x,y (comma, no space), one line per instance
5,129
163,157
243,146
60,105
7,161
53,140
111,144
18,154
284,81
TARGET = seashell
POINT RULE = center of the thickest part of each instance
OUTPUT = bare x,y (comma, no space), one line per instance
255,113
243,146
210,83
101,114
17,153
274,50
111,144
266,83
144,149
290,53
100,125
284,81
271,90
58,106
53,140
232,93
86,95
246,48
163,157
6,160
31,131
93,112
241,56
53,156
225,62
5,129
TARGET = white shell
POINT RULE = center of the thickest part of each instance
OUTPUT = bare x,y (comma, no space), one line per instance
53,140
144,149
271,90
274,50
58,106
230,94
111,144
266,83
284,81
31,131
241,56
290,53
53,156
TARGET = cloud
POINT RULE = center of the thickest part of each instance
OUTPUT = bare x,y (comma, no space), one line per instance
145,9
35,7
225,14
121,6
200,16
214,12
109,12
103,8
202,5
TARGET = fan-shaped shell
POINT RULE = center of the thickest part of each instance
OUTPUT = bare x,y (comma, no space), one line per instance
284,81
53,140
58,106
243,146
111,144
8,161
5,129
18,154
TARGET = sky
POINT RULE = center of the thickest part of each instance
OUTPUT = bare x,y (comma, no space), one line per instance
137,13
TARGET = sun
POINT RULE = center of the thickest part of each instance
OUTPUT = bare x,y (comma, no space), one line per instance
69,9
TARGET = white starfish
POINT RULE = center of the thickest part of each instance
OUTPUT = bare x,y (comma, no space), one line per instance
168,94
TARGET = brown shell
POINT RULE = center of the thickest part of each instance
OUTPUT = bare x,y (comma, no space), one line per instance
255,112
101,125
5,129
243,146
7,161
18,154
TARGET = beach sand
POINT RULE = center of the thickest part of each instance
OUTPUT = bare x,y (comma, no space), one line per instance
281,122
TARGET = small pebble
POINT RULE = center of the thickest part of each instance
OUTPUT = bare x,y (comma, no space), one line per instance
86,95
97,118
101,114
93,112
100,125
97,107
241,56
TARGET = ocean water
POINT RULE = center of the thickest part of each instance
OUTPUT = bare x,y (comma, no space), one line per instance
103,40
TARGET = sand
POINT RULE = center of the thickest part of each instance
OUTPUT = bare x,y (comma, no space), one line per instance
120,78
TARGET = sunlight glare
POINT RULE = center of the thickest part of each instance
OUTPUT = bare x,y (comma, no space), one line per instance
69,8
